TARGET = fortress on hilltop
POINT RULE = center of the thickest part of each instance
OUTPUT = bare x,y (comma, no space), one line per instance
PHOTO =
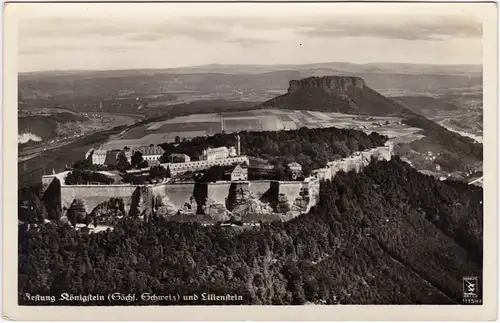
259,200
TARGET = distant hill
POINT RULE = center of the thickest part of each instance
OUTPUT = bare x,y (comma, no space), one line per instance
342,94
466,69
45,126
139,83
235,82
424,105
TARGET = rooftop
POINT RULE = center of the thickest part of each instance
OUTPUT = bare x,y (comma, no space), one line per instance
147,150
100,152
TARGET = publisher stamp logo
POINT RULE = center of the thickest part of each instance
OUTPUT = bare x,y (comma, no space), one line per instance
470,287
471,291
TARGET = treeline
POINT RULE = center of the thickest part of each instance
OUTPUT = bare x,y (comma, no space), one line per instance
388,235
312,148
82,176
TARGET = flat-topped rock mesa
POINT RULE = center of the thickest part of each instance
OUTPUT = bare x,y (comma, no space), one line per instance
328,83
343,94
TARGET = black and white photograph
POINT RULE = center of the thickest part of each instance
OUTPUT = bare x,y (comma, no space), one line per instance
251,154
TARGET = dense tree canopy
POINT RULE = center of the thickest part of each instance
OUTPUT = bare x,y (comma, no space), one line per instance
81,176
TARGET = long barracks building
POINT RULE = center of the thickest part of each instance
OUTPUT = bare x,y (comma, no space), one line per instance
191,166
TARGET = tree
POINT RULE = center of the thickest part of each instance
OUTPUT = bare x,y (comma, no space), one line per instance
82,164
164,157
177,139
168,174
136,159
157,172
143,164
122,163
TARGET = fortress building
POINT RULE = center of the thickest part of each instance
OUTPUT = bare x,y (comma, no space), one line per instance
99,157
178,158
239,173
301,195
179,168
150,153
214,153
222,152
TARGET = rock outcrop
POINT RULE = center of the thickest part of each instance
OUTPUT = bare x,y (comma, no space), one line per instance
252,206
142,201
108,212
237,196
164,207
217,211
328,83
190,207
77,212
283,205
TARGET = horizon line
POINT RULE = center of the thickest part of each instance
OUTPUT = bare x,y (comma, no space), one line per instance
244,65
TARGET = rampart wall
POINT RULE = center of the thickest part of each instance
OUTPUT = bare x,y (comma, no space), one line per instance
218,192
291,190
93,195
177,194
259,189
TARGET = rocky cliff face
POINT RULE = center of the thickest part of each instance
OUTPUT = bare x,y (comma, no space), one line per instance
108,212
328,83
142,202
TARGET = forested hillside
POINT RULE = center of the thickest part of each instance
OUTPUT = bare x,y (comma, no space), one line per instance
387,235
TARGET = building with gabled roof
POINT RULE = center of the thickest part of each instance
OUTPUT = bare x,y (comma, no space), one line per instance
178,158
98,157
239,173
150,152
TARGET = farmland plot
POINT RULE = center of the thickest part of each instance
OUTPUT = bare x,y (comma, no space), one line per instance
256,120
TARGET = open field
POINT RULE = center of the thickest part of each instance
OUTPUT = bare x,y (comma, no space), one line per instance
256,120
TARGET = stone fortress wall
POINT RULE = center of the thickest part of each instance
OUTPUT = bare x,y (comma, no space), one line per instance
94,195
290,198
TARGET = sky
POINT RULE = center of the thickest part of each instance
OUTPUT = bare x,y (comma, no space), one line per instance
108,36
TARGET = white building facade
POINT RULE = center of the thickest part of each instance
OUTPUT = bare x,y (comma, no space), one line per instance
150,153
99,157
215,153
239,173
177,168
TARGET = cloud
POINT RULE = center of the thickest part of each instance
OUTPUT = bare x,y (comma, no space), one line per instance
250,42
164,32
389,27
40,50
431,28
135,30
240,30
31,51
